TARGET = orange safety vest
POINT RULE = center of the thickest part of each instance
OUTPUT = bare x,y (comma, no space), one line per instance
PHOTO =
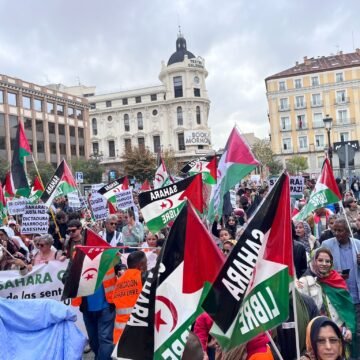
127,290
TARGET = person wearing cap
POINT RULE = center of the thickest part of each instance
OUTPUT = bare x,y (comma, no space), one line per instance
14,226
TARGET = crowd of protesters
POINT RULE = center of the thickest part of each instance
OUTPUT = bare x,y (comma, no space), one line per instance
326,257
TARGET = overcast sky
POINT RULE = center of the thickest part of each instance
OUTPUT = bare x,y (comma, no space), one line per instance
118,45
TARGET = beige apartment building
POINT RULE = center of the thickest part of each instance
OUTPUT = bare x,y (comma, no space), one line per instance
299,98
56,123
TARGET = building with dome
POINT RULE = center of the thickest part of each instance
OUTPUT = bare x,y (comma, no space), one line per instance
171,116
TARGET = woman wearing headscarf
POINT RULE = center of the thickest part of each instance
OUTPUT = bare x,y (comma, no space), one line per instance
329,291
303,233
323,340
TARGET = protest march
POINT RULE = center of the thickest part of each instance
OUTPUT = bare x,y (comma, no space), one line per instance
210,263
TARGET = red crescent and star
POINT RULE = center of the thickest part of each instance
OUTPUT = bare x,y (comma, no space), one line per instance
159,320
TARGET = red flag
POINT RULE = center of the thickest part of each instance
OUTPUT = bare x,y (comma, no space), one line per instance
9,186
145,186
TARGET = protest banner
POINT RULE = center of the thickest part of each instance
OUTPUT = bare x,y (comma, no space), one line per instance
42,282
124,199
35,220
296,185
74,201
98,203
17,206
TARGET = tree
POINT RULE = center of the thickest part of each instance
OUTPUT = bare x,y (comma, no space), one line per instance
297,164
91,169
170,161
4,168
263,152
46,171
139,163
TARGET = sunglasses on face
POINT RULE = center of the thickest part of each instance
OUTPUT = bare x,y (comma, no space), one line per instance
69,231
226,251
112,223
41,245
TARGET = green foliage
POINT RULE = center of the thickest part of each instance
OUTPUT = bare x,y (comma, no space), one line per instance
170,161
91,168
4,168
275,167
263,152
46,171
139,163
297,164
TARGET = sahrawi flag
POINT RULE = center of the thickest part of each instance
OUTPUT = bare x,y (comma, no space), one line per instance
251,292
326,192
89,266
36,191
203,165
169,303
162,177
161,206
236,162
21,150
110,190
61,183
9,191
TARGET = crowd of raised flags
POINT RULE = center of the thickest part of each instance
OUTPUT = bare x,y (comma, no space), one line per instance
245,294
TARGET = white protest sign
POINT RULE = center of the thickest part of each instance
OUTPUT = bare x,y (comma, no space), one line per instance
74,200
17,206
256,179
43,282
35,220
296,185
124,199
233,198
98,203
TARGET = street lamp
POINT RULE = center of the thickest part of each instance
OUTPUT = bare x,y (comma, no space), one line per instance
327,123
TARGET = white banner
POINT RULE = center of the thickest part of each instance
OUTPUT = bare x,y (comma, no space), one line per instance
17,206
296,185
74,200
124,199
35,220
193,137
43,282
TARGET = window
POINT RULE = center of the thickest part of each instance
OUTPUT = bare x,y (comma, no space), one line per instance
51,127
62,149
141,143
95,148
315,100
339,77
140,121
26,102
179,116
178,89
344,136
1,97
53,148
341,96
285,123
111,144
109,118
287,144
320,161
315,81
319,141
50,108
284,104
72,131
342,117
40,147
73,150
92,106
198,115
60,109
156,141
108,103
124,101
94,126
298,84
79,114
300,102
127,143
181,141
138,99
80,133
12,99
318,120
38,105
303,142
39,126
196,92
282,86
126,122
81,150
153,97
61,129
28,124
300,122
154,112
71,112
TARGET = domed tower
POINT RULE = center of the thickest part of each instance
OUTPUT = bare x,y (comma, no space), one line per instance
186,98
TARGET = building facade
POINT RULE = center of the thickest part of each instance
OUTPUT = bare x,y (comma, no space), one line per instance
300,97
56,123
171,116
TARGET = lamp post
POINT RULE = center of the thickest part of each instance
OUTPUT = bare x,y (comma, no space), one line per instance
327,123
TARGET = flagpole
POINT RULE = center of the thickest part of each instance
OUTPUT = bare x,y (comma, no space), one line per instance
347,220
2,246
57,230
296,321
274,345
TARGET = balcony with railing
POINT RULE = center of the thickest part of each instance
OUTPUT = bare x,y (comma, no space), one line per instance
317,124
284,107
300,105
317,103
285,128
342,100
344,122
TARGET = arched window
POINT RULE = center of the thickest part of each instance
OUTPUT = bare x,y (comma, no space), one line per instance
94,126
179,114
126,122
140,121
198,115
